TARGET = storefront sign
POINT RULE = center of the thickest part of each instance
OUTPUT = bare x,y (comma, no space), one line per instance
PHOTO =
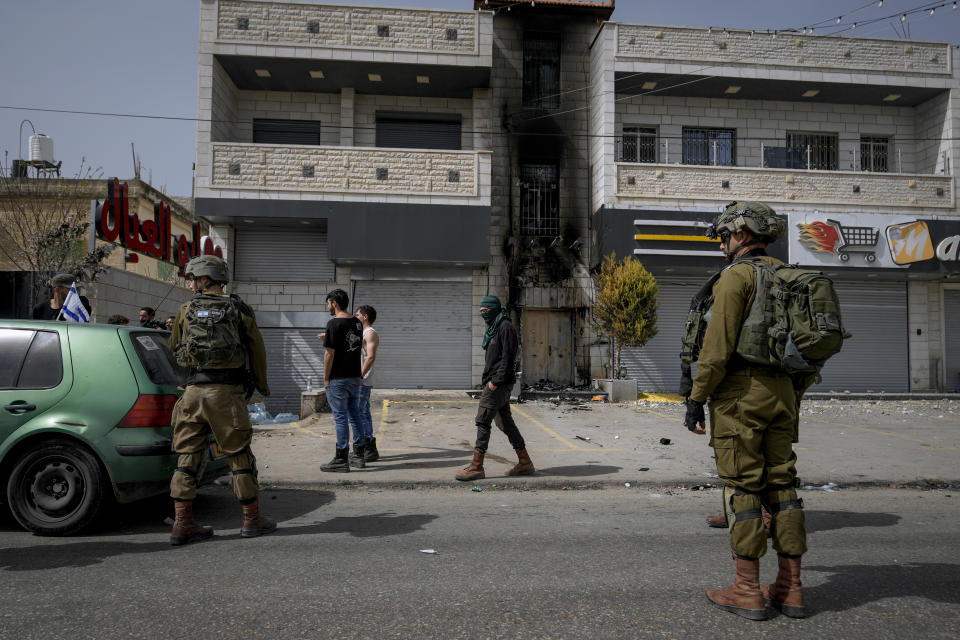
875,240
114,223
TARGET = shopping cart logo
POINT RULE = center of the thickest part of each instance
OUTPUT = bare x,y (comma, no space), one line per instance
841,240
910,242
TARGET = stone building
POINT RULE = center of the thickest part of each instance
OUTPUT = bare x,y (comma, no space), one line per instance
421,159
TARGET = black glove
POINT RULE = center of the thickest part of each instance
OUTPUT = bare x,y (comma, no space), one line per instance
694,415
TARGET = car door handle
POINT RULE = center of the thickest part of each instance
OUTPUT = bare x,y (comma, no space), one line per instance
16,407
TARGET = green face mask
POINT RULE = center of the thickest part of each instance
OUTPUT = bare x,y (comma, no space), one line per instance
490,315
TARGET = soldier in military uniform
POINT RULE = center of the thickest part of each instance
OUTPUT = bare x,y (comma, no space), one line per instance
753,416
216,337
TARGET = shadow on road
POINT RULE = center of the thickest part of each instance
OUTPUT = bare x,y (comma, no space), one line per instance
429,459
852,586
220,511
579,471
830,520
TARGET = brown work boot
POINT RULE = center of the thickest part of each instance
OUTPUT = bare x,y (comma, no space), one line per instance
718,521
474,470
524,466
786,593
184,528
743,597
255,524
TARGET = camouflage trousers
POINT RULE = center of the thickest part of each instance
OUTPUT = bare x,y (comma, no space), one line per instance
220,409
753,419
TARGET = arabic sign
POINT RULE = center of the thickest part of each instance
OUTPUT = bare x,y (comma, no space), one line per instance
874,240
114,223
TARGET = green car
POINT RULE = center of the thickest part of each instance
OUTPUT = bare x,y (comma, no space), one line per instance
85,421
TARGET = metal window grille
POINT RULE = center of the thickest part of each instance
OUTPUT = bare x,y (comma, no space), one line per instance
234,169
874,154
541,71
710,146
308,170
451,34
818,150
243,23
313,26
638,144
382,173
539,200
453,175
383,30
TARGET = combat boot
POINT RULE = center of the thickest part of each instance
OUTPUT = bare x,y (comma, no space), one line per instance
743,597
524,466
255,524
358,457
340,462
474,470
185,529
370,453
786,593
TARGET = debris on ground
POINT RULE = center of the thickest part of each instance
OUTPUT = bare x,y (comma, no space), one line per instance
428,551
643,469
829,487
477,488
626,484
664,440
586,439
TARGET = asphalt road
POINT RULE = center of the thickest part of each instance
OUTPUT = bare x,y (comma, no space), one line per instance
609,563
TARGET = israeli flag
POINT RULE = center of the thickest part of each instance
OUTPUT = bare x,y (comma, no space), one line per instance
73,310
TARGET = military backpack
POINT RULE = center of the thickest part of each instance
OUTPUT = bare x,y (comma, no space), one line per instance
793,324
211,334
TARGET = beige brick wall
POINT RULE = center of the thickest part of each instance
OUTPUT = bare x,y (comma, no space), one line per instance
345,169
782,185
786,50
345,26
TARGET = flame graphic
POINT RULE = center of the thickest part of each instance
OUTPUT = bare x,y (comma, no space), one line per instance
819,237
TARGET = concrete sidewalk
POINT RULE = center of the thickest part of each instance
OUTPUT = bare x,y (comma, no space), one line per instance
424,437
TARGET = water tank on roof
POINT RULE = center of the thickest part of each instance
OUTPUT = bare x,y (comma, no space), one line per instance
41,148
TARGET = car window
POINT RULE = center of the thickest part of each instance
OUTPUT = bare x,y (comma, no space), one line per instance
13,349
43,367
157,359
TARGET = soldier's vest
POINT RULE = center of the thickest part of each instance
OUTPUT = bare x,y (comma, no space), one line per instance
793,323
211,334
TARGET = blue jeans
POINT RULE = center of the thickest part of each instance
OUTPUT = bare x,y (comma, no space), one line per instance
343,394
366,420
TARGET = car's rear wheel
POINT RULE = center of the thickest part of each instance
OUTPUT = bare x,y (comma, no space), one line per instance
56,488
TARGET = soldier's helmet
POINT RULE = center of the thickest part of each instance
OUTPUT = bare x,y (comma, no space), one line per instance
756,217
211,266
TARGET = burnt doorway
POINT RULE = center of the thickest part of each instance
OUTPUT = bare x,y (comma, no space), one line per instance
548,346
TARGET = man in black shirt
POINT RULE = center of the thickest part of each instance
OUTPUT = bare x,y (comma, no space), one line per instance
50,309
500,342
341,376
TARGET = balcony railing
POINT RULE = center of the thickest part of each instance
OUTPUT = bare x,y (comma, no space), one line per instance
351,170
752,48
368,28
692,182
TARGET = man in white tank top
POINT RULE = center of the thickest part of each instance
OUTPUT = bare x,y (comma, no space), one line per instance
367,315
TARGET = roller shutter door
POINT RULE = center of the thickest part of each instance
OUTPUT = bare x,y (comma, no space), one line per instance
951,311
424,330
656,365
283,255
876,358
418,130
294,356
270,131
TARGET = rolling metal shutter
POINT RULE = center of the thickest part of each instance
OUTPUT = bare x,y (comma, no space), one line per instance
418,130
424,330
283,255
951,338
656,365
294,356
876,358
269,131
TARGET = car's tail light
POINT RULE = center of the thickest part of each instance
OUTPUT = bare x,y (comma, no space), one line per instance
150,411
